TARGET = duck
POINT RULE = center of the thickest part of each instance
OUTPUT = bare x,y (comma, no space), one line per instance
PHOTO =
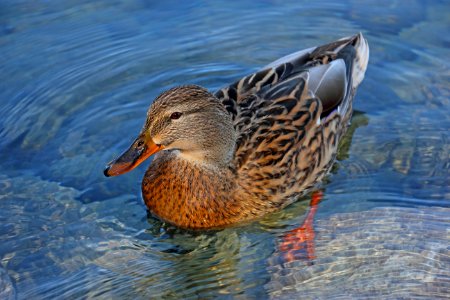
250,148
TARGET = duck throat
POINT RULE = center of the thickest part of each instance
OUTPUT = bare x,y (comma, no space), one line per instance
214,157
190,195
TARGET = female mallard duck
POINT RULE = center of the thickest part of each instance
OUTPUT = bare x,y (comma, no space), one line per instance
252,147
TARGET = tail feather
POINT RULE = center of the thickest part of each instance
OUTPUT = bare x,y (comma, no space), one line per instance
361,59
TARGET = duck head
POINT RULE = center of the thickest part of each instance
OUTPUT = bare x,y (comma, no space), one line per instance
188,120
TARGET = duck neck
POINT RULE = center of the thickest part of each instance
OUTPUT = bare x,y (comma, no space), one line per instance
213,148
213,157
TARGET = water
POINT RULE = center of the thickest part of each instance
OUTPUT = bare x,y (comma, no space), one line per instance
76,78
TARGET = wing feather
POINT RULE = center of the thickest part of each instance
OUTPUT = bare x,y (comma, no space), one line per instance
289,117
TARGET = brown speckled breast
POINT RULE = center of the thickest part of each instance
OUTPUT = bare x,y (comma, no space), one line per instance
191,196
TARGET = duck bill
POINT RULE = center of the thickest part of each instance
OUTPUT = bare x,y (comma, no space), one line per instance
141,149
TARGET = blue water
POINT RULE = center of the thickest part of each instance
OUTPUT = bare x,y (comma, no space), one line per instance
76,79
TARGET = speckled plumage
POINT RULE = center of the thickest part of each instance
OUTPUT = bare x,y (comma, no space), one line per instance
256,145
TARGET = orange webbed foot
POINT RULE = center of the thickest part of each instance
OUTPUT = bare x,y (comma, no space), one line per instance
298,244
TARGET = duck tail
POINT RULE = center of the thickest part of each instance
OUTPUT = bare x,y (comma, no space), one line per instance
360,60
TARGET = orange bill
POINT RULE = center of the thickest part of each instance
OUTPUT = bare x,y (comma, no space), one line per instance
141,149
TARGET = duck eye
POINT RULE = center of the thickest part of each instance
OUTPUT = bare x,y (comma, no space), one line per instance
175,115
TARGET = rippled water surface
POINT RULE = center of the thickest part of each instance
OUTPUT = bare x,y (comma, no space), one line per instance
76,78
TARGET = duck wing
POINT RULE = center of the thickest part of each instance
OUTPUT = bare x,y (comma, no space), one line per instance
289,116
350,52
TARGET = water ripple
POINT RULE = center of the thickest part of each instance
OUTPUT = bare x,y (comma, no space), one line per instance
76,80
